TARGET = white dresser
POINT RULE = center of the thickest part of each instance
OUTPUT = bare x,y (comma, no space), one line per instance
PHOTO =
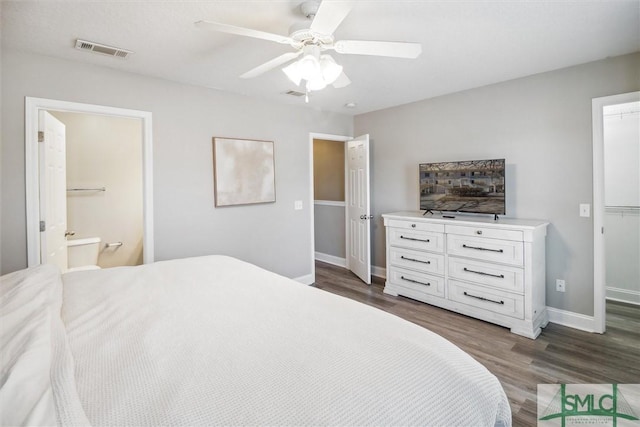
491,270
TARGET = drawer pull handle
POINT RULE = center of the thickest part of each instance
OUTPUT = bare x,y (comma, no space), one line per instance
415,281
499,276
483,249
413,238
483,298
414,260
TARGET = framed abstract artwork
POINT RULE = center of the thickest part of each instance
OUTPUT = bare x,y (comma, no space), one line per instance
243,171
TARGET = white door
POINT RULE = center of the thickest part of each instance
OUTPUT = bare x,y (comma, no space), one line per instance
53,190
358,209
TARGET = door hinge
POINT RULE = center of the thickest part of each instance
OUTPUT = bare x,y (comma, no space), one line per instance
43,226
602,230
40,136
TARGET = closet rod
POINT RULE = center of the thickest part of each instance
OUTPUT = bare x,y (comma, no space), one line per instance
623,208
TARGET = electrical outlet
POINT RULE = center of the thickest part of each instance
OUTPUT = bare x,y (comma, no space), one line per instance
297,205
559,285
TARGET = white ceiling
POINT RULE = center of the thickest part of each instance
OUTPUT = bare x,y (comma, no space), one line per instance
465,44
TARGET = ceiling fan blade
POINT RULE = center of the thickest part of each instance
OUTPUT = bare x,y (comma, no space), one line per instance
341,81
240,31
393,49
269,65
329,15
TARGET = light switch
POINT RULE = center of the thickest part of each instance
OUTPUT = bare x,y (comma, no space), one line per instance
297,205
585,210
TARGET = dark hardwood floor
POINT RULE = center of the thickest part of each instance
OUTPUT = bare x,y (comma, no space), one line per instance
559,355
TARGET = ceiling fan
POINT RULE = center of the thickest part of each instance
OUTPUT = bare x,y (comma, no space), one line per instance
310,40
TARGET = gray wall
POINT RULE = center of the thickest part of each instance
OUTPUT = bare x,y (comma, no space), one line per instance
185,118
541,124
330,238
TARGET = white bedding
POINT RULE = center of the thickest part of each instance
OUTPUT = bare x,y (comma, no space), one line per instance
216,341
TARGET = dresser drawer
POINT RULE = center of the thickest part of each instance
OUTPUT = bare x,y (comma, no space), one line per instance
427,283
499,276
423,240
415,260
497,250
490,233
416,225
493,300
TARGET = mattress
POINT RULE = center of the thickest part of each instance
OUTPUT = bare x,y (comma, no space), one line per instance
217,341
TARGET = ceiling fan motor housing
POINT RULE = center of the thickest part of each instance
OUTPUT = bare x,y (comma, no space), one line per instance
303,35
309,8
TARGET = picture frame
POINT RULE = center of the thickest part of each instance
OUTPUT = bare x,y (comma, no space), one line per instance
244,171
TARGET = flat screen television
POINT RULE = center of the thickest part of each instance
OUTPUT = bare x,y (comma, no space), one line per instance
471,186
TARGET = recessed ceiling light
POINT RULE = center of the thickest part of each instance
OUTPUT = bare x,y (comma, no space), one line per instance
350,105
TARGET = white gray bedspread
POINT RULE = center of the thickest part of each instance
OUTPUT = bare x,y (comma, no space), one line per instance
216,341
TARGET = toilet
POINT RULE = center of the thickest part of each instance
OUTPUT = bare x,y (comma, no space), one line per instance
82,254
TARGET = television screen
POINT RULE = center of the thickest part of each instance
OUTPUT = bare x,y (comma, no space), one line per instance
474,186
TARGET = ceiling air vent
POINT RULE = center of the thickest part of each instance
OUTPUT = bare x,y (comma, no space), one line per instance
102,49
294,93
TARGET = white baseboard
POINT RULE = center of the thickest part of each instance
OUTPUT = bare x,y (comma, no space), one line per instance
623,295
331,259
571,319
308,279
378,271
342,262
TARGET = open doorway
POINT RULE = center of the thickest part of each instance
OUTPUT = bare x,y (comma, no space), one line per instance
90,191
104,189
355,209
329,201
616,162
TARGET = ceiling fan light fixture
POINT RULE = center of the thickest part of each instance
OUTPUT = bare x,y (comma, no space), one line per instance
309,68
292,71
318,71
330,69
316,84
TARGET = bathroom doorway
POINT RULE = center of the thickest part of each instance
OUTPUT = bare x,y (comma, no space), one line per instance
104,187
109,185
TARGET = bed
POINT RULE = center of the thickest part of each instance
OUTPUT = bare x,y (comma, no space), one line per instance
216,341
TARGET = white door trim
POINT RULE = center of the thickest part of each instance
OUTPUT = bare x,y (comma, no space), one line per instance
599,262
32,106
312,249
